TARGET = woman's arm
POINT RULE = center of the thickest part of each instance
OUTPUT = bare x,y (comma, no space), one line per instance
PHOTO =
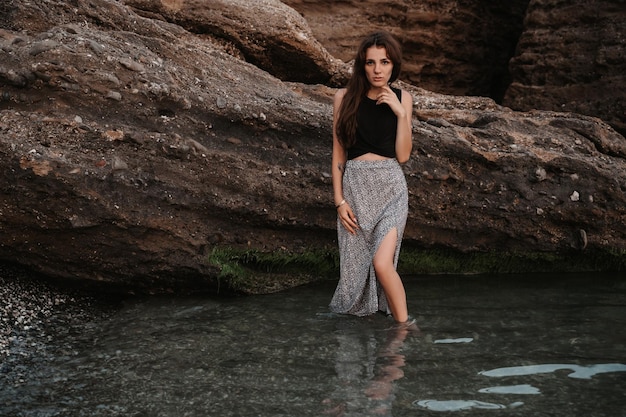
339,154
403,109
404,140
344,211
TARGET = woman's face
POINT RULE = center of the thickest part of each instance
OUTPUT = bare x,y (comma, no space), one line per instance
378,66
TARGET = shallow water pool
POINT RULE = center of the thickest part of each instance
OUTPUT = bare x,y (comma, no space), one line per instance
486,346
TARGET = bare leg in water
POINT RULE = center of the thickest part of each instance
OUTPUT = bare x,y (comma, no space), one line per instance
389,278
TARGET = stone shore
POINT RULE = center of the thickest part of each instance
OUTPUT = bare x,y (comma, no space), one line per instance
33,312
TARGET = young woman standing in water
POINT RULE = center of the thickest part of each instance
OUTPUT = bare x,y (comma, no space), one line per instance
371,138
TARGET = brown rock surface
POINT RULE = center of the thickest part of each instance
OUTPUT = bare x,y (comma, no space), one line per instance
266,33
450,47
572,57
559,55
130,148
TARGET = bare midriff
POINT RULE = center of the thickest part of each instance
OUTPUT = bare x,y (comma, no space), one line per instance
371,157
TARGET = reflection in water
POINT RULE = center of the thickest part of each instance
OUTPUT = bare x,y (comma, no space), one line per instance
457,340
458,405
580,372
523,389
367,372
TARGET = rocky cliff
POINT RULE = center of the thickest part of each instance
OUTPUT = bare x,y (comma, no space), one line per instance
451,47
572,57
541,54
138,137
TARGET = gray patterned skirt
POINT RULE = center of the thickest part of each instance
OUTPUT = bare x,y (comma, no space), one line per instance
378,195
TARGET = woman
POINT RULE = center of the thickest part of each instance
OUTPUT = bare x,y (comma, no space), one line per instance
371,137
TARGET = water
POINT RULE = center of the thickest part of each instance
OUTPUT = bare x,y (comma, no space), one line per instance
486,346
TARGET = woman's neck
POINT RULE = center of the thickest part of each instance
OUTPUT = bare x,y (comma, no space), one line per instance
373,92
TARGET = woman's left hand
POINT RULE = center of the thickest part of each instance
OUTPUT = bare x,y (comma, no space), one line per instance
388,97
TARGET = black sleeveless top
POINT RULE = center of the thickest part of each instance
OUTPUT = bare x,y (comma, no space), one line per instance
376,129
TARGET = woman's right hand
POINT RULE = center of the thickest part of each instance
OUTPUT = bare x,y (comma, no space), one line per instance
347,218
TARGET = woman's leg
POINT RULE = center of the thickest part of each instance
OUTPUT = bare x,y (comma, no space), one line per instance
389,278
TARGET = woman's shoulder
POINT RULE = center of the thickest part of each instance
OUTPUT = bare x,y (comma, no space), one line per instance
403,94
399,92
339,94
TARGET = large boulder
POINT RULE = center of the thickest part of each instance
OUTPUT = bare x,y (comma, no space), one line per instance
131,149
267,33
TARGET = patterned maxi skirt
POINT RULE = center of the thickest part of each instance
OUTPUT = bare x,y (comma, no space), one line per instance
377,193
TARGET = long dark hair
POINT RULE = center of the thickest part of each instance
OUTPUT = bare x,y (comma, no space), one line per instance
358,85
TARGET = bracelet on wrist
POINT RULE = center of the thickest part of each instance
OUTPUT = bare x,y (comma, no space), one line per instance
340,204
